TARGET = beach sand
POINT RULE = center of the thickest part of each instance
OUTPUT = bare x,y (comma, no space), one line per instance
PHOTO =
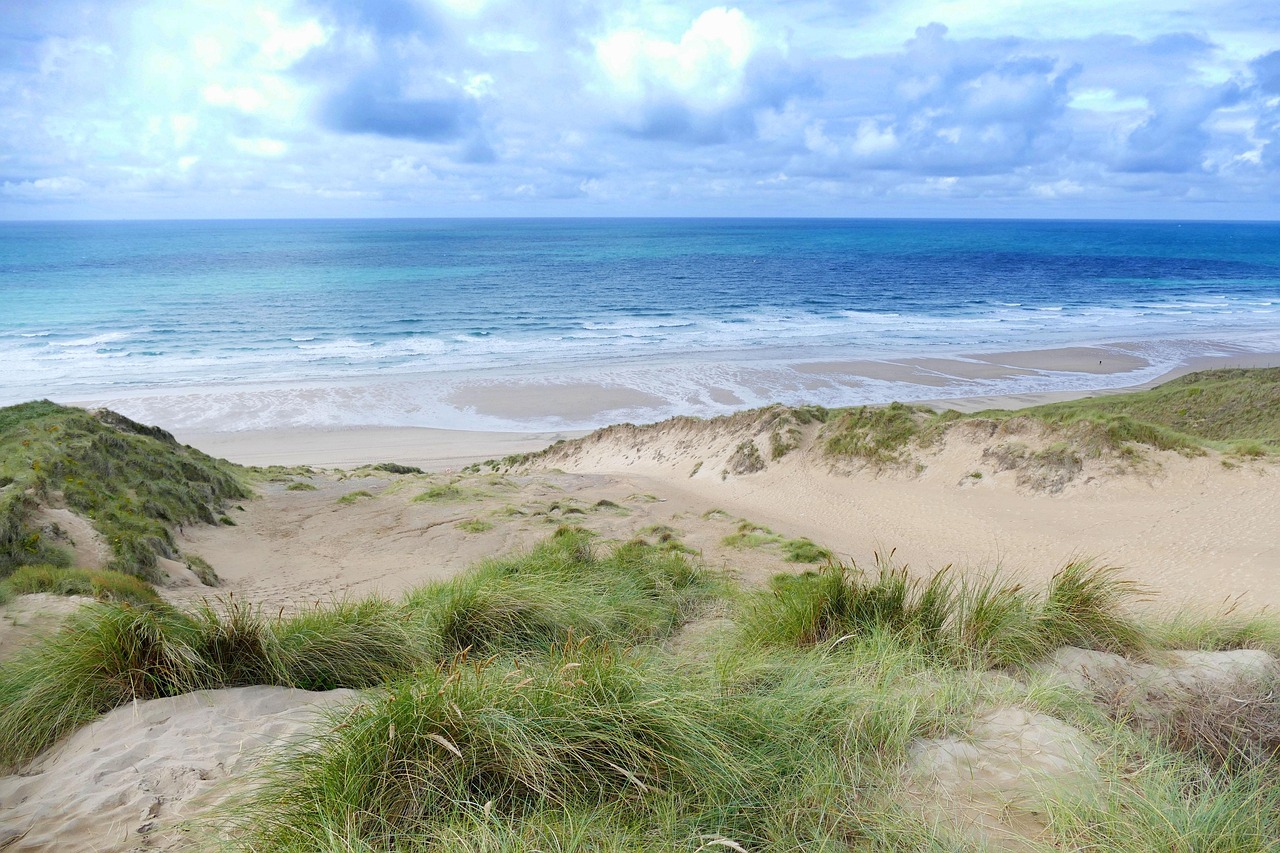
1189,529
571,398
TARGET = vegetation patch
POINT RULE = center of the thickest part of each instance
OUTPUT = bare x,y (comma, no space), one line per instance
751,535
474,525
781,443
803,550
397,468
115,652
880,435
525,705
444,493
135,483
352,497
102,584
745,459
1212,407
118,651
300,487
983,623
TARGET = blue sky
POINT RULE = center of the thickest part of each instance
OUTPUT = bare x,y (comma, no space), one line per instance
311,108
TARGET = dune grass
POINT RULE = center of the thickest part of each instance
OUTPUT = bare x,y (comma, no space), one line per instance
962,622
1236,411
1220,406
777,743
102,584
114,652
801,550
117,651
629,593
134,482
526,704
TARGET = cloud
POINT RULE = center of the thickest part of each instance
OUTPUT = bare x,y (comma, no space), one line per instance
942,107
404,107
701,87
368,106
385,17
1266,70
1173,137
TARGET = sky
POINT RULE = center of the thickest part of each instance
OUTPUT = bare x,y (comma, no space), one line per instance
158,109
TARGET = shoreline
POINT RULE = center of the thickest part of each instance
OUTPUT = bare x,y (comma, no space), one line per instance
438,449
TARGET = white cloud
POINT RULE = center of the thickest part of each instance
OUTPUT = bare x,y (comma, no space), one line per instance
244,98
1106,100
404,107
704,67
61,186
259,146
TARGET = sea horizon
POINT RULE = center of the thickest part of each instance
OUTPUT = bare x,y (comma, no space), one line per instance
416,322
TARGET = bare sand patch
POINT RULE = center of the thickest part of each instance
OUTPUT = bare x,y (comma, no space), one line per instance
121,782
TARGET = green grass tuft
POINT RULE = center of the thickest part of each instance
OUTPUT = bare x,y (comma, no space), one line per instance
102,584
441,493
112,653
805,551
397,468
880,435
981,623
531,601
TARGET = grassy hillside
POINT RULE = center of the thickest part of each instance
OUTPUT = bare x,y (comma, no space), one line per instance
1235,411
1221,406
135,483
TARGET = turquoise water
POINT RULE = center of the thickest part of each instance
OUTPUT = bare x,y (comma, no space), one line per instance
108,309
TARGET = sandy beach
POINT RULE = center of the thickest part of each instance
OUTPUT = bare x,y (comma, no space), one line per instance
437,449
1188,529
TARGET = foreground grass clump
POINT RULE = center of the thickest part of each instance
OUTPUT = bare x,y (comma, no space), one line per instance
113,653
981,623
584,727
589,746
134,482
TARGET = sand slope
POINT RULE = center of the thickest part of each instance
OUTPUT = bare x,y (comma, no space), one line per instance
121,782
1192,530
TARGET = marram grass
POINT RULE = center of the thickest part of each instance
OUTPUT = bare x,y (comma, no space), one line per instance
112,653
986,623
528,705
135,483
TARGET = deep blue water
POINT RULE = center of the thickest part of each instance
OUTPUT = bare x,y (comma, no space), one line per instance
90,308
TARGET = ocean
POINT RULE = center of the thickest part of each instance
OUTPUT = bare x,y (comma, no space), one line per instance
695,316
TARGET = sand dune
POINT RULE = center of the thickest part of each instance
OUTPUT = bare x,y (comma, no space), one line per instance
122,782
1191,529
